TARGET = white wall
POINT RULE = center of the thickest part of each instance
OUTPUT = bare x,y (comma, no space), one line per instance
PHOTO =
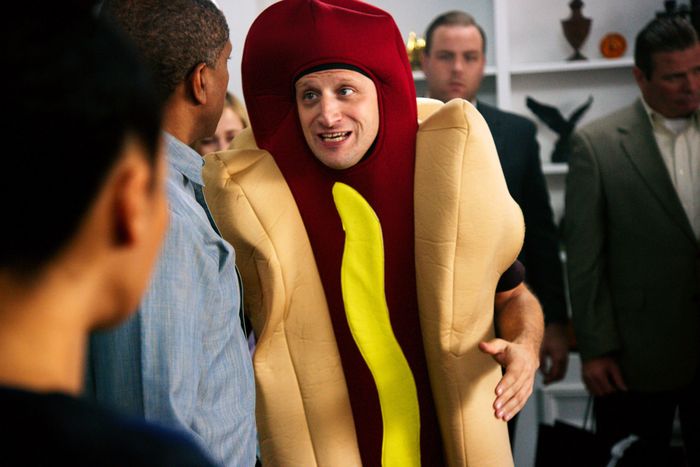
535,35
414,16
240,14
539,38
409,16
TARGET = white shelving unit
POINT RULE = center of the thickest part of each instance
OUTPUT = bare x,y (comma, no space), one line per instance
566,67
526,56
419,76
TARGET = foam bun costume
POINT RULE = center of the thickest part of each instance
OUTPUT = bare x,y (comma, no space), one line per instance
449,229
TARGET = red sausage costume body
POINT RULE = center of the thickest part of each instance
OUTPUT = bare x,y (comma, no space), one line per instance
317,33
299,350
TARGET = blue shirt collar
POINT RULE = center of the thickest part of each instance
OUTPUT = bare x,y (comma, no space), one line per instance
184,159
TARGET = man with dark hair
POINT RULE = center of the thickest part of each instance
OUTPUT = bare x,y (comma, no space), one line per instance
453,61
183,359
632,234
82,244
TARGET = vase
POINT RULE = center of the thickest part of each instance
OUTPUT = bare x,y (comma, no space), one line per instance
576,29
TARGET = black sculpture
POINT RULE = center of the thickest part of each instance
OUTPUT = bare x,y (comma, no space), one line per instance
560,125
690,12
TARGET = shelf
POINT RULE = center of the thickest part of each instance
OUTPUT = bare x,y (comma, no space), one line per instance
583,65
553,67
418,75
560,168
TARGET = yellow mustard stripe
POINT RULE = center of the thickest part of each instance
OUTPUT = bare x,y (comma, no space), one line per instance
362,279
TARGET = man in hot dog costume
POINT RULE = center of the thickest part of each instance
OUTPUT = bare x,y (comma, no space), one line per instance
375,252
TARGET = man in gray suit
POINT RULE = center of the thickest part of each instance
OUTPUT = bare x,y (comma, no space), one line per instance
632,228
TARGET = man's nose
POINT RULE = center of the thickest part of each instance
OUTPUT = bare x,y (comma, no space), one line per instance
458,65
330,111
221,143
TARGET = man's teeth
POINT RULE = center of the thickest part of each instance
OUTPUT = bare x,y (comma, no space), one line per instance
339,136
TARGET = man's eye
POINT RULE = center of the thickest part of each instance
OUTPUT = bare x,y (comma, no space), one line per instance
207,141
308,95
346,91
673,78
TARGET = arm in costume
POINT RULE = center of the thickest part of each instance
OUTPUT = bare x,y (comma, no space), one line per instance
302,407
462,249
520,325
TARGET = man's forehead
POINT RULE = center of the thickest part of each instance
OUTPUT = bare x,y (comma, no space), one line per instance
457,35
332,75
678,61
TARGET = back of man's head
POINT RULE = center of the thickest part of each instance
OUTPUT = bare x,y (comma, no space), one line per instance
173,36
665,34
78,84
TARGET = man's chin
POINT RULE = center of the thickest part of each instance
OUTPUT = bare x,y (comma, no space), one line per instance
455,94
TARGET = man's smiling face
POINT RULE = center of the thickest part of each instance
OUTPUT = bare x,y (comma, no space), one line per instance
339,115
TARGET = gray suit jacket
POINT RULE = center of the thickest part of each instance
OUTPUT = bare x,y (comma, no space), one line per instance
633,258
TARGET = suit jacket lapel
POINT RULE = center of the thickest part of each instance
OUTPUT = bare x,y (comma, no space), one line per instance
640,147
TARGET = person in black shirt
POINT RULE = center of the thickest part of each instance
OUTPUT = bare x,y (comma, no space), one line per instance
83,220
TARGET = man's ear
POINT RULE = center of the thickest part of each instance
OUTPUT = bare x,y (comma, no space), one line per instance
198,83
423,60
132,190
639,76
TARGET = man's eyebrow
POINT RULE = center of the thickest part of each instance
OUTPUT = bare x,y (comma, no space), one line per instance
304,84
349,79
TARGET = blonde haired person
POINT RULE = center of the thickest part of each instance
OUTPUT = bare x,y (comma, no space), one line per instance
234,119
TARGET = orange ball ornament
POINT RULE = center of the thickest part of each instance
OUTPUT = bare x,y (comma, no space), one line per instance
613,45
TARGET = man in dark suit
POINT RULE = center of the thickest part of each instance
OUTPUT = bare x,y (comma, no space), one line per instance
632,229
453,62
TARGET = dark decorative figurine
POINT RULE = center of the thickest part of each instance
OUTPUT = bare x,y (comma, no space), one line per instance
576,29
691,13
560,125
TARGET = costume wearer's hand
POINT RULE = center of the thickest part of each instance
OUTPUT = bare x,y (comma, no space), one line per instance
520,362
602,376
554,353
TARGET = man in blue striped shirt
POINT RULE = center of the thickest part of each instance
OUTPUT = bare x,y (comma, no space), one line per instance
182,360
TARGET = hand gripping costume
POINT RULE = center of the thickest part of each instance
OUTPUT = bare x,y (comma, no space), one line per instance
429,222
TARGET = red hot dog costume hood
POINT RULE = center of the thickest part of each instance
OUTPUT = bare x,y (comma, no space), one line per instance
449,227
